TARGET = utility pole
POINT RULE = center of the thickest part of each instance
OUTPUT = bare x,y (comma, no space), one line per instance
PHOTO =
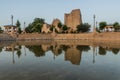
24,28
12,20
94,23
24,25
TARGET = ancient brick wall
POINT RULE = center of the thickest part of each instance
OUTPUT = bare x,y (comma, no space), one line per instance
73,19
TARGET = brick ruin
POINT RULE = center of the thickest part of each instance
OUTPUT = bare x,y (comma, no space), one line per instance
73,19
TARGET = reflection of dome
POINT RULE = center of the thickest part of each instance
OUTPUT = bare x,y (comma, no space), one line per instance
45,47
73,55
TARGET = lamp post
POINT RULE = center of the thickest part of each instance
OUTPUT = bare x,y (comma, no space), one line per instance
24,27
94,22
12,20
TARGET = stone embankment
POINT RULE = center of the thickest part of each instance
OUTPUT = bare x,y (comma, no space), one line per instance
34,36
96,37
106,36
6,37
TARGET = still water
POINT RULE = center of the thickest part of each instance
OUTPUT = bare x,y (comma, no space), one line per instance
59,62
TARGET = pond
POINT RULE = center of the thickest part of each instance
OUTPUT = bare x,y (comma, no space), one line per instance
59,62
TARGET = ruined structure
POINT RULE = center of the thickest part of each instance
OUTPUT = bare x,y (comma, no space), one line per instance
73,19
55,24
73,55
46,28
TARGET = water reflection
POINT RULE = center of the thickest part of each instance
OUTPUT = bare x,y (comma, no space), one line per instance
59,61
37,50
72,53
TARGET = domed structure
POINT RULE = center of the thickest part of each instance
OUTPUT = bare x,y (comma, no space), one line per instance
55,24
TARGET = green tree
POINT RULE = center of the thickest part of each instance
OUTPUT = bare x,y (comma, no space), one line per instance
116,26
60,25
64,28
102,25
18,25
35,26
83,27
29,28
1,30
115,51
51,28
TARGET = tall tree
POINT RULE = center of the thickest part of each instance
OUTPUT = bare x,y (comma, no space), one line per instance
64,28
116,26
36,25
60,25
18,25
102,25
83,27
1,30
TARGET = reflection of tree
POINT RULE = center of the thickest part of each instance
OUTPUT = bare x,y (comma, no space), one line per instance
102,51
19,51
83,48
1,49
65,47
37,50
115,51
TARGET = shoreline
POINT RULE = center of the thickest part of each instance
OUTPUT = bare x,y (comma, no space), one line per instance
62,42
96,37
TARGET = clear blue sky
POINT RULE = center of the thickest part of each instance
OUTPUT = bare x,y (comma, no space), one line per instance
27,10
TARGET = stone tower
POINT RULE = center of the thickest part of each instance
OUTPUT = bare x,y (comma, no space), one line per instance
73,19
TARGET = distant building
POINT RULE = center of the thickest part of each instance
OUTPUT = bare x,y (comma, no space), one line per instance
73,19
55,24
109,28
46,28
10,29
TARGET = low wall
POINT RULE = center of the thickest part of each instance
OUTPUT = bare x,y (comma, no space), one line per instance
84,36
6,37
107,36
34,36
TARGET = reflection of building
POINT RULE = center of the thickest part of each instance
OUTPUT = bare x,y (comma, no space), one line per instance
11,30
11,48
73,55
56,50
73,19
45,47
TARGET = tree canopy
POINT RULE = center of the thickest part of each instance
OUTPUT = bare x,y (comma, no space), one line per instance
83,27
35,26
116,26
102,25
18,25
1,30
